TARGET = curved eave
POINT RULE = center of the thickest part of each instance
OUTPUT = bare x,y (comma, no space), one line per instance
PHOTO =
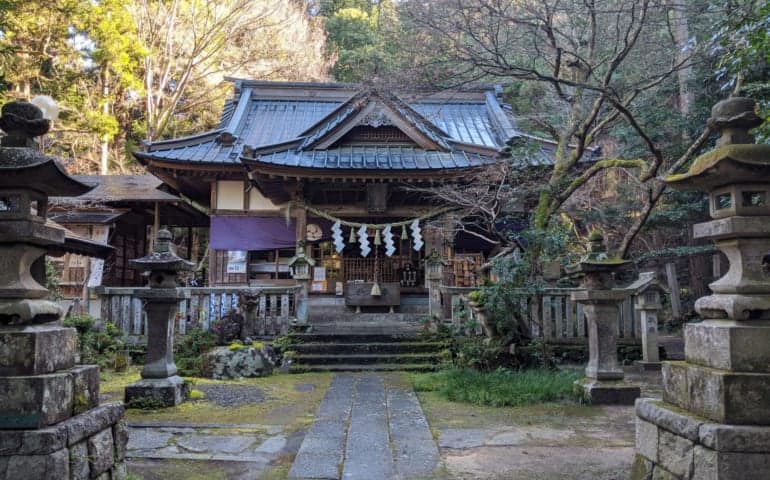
146,159
183,141
267,168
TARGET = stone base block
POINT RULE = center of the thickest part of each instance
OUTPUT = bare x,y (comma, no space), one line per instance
683,446
604,392
36,350
649,366
23,312
729,345
35,401
720,395
41,400
157,392
89,445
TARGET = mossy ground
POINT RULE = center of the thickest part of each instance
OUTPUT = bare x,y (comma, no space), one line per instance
283,405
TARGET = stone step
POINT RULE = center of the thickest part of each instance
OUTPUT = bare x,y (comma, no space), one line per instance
357,337
377,367
368,347
366,359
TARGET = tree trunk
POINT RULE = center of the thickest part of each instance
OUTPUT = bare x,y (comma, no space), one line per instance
680,29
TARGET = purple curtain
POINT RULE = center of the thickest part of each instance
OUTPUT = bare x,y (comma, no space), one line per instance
251,233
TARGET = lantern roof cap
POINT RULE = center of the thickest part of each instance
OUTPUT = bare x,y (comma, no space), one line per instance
163,258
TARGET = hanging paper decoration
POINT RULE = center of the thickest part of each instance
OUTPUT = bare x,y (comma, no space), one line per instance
416,235
387,236
339,242
363,240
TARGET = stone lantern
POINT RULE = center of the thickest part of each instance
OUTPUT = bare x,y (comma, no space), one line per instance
716,408
160,383
300,266
51,423
648,291
601,303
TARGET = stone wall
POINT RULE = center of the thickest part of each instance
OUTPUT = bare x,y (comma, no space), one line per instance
673,444
91,445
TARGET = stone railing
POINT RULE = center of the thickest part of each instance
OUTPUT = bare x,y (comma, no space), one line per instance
551,315
276,308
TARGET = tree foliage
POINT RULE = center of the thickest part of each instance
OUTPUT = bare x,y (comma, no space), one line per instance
126,70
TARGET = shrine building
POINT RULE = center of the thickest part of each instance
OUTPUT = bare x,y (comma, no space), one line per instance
292,163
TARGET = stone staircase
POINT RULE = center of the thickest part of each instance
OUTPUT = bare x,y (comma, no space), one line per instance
352,352
340,340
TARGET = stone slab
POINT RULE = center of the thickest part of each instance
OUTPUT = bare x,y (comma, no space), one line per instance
230,444
461,438
272,445
147,439
101,452
647,439
161,392
36,467
85,384
79,465
729,345
712,465
602,392
35,401
414,450
91,422
735,438
33,442
670,418
719,395
367,452
675,453
36,349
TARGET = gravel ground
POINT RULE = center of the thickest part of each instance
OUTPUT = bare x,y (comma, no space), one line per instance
231,395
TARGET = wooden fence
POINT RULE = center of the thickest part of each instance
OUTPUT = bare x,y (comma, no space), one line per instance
552,316
276,308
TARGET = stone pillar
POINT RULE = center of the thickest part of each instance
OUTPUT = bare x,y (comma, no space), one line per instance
160,385
648,290
51,423
714,421
434,274
601,303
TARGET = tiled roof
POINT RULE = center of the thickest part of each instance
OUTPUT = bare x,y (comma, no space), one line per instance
118,188
375,158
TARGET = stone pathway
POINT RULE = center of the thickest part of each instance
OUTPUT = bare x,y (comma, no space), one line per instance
243,451
367,429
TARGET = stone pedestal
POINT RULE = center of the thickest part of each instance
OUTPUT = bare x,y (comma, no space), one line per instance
601,303
51,424
714,420
160,386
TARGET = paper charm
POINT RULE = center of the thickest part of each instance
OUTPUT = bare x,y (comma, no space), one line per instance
387,237
363,240
339,242
416,235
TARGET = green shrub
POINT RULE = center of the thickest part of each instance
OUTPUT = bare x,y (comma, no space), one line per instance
190,353
96,345
478,353
500,388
